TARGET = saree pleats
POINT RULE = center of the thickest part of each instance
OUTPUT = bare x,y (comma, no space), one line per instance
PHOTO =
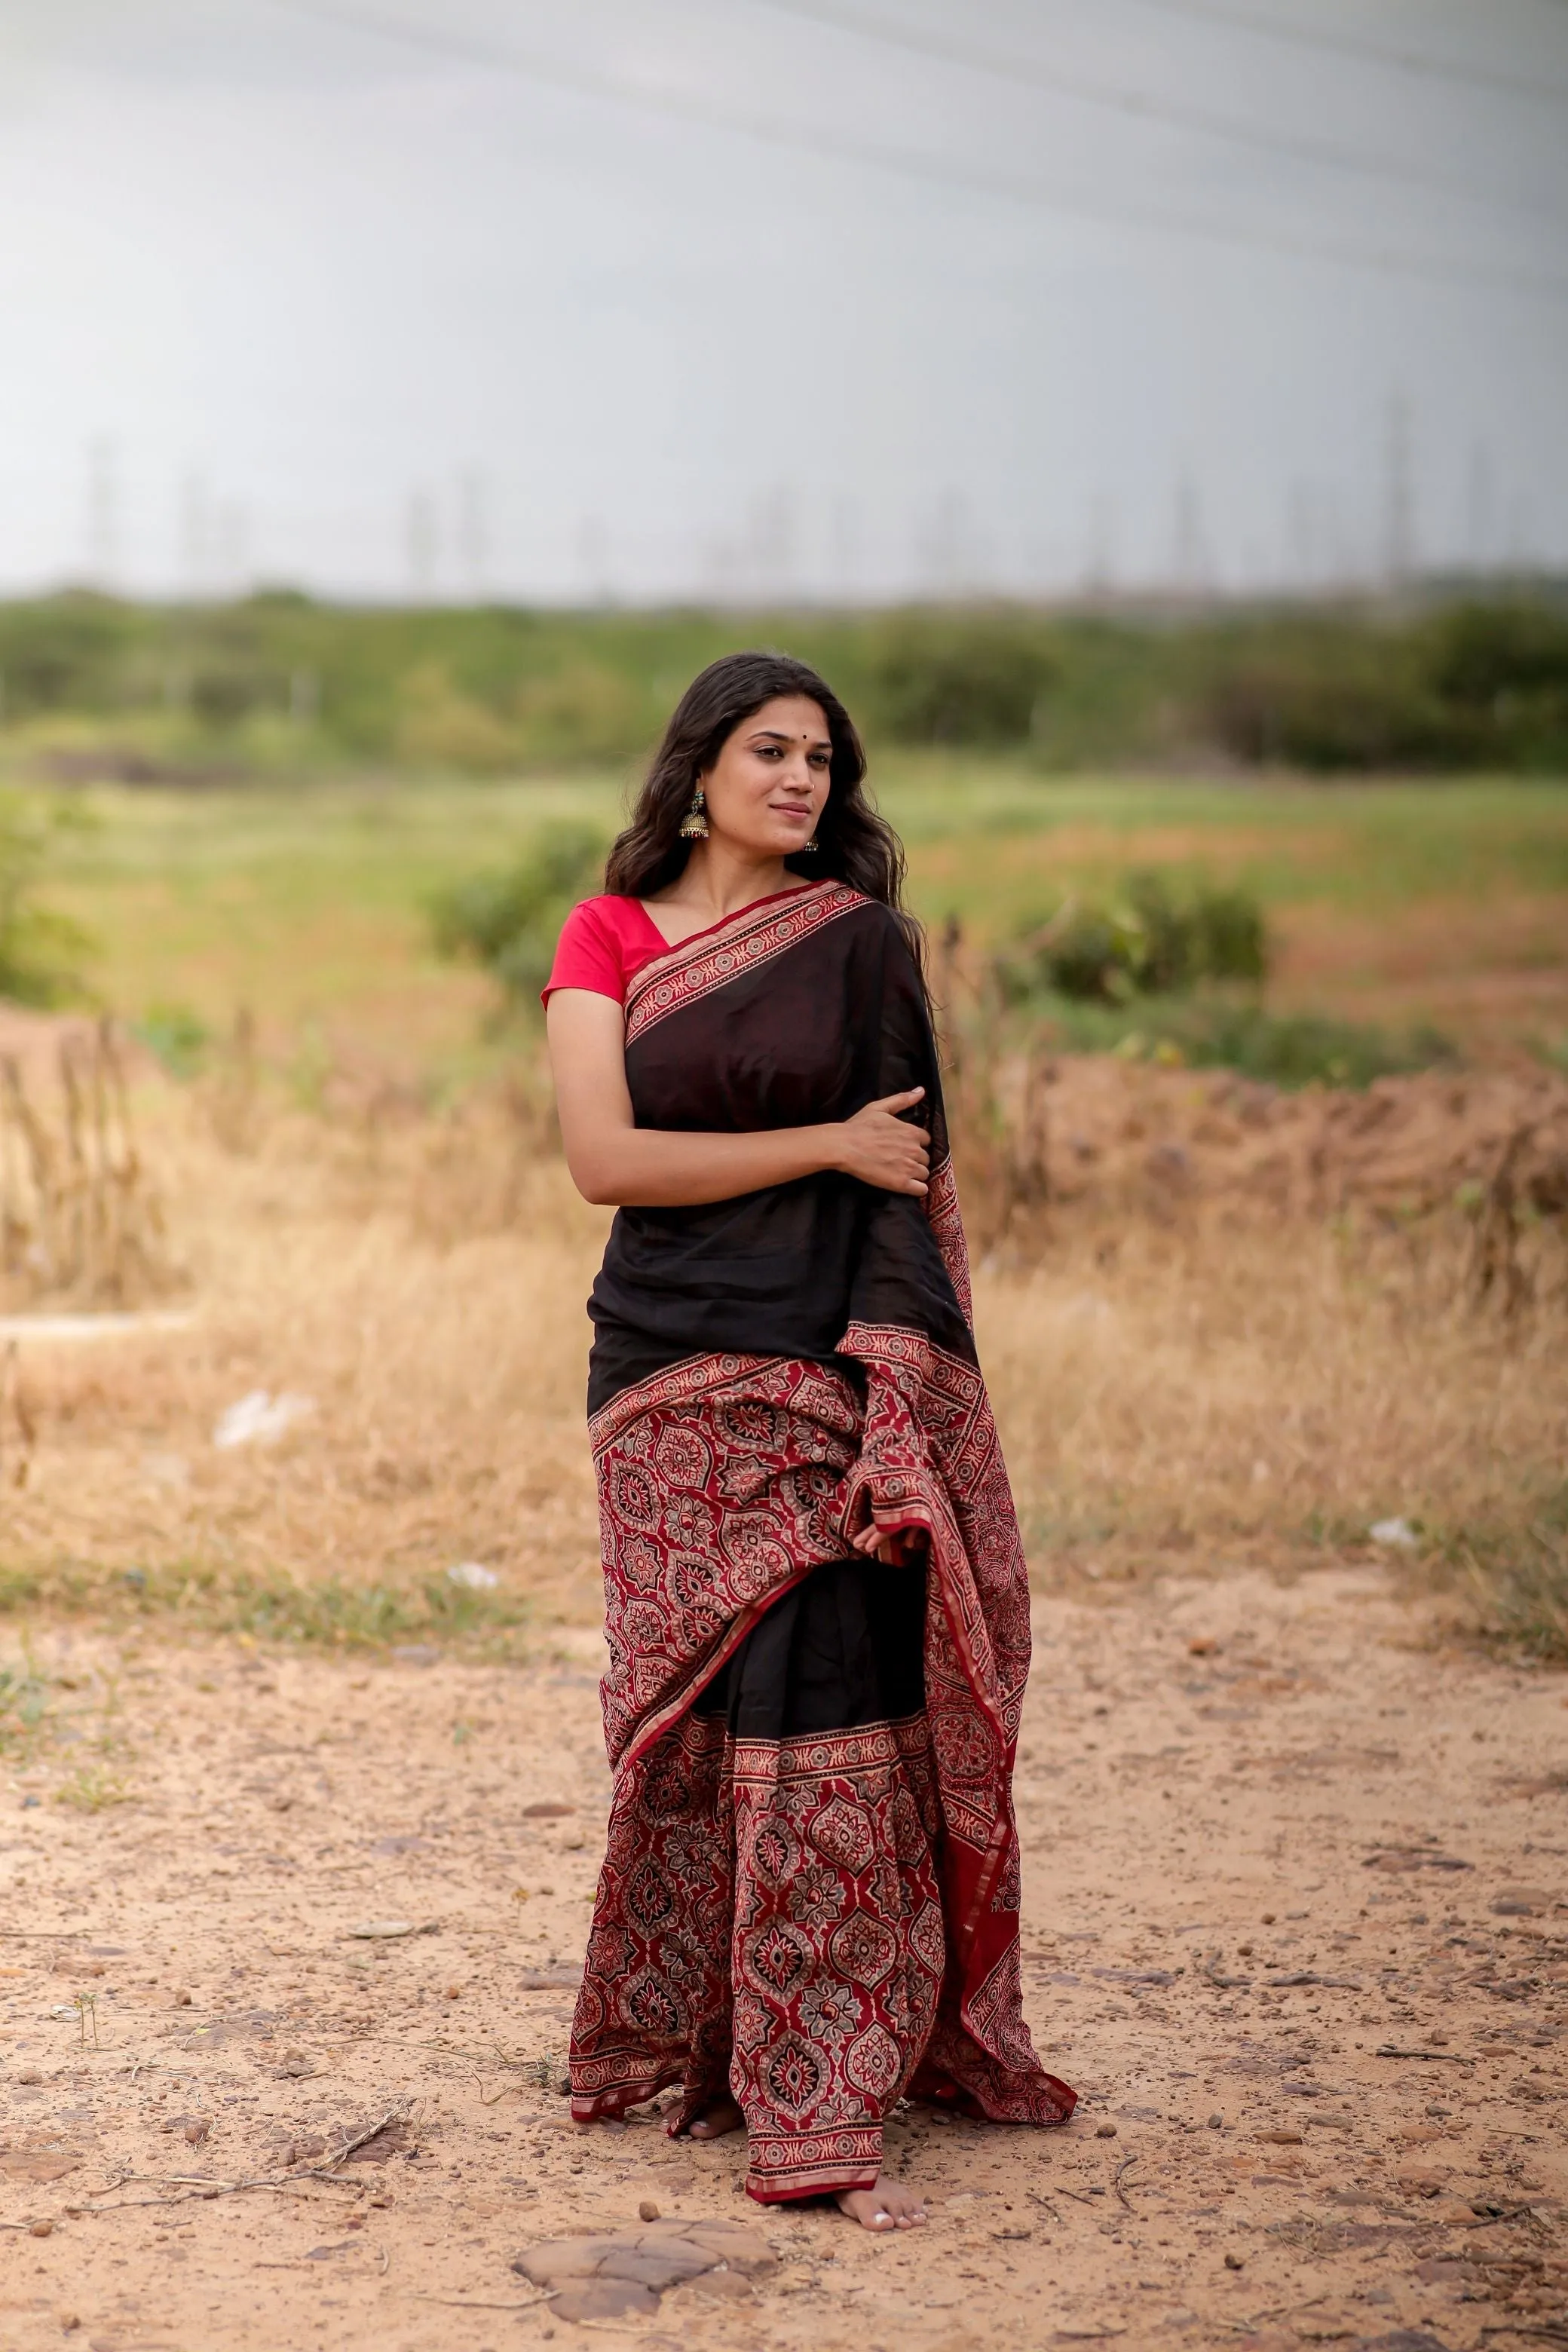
779,1939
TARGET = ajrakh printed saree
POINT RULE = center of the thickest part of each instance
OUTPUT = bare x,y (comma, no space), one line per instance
810,1892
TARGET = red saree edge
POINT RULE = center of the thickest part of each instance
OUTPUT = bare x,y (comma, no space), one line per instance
751,937
611,2105
798,2195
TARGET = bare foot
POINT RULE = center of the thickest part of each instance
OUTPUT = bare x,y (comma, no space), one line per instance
713,2122
886,2206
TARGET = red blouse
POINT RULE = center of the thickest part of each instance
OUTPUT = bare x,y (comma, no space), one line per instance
604,942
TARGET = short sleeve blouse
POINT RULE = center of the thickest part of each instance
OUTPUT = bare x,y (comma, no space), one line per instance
605,942
602,943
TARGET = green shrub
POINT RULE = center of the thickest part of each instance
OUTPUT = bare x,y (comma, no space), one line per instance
1153,940
224,696
1230,937
584,712
508,921
1286,1050
39,951
1474,684
1330,701
1169,972
943,677
61,653
438,726
1503,670
1086,953
1480,654
178,1039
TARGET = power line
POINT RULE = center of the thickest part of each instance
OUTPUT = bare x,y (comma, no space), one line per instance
909,163
1383,53
1014,66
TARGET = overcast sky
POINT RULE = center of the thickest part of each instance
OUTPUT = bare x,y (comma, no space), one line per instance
772,298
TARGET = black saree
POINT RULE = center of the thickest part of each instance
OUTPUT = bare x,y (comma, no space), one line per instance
810,1892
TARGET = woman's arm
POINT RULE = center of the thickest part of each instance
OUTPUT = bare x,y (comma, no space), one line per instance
617,1163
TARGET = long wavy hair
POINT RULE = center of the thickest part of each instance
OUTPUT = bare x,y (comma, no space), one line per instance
855,844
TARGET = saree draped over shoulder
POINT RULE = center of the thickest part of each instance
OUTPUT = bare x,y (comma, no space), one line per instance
809,1899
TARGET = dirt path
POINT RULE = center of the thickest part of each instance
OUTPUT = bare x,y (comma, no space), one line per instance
1268,1836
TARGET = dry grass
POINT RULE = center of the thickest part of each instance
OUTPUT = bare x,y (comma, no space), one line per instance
1236,1326
78,1219
441,1359
1221,1382
1232,1389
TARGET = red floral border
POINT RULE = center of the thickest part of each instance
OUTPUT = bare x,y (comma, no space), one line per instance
695,970
947,1226
678,1383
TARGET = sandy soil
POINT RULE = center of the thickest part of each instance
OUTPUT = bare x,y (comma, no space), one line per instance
1270,1835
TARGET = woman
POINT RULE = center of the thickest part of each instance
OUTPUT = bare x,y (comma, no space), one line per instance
817,1609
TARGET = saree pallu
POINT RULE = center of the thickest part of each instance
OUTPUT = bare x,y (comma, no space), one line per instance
815,1917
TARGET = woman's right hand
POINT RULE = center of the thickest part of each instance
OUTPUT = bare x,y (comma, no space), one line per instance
885,1150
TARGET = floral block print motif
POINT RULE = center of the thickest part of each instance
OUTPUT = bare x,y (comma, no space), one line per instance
775,1931
839,1948
720,1485
723,1481
654,2006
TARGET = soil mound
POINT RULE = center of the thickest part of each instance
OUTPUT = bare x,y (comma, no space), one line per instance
1112,1130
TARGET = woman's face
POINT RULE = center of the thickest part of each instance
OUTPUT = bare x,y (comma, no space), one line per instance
769,785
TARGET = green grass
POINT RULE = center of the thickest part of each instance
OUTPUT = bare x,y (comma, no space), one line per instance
23,1712
310,903
39,1721
277,1610
92,1789
375,840
1517,1577
1376,846
380,845
1199,1032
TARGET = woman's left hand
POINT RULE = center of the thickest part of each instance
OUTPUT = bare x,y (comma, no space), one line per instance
894,1546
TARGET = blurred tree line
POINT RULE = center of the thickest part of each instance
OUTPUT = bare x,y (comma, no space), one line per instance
97,686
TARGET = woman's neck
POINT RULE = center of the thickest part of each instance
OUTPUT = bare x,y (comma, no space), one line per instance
718,880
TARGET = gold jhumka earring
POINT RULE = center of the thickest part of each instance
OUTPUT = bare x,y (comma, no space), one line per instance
694,827
806,848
